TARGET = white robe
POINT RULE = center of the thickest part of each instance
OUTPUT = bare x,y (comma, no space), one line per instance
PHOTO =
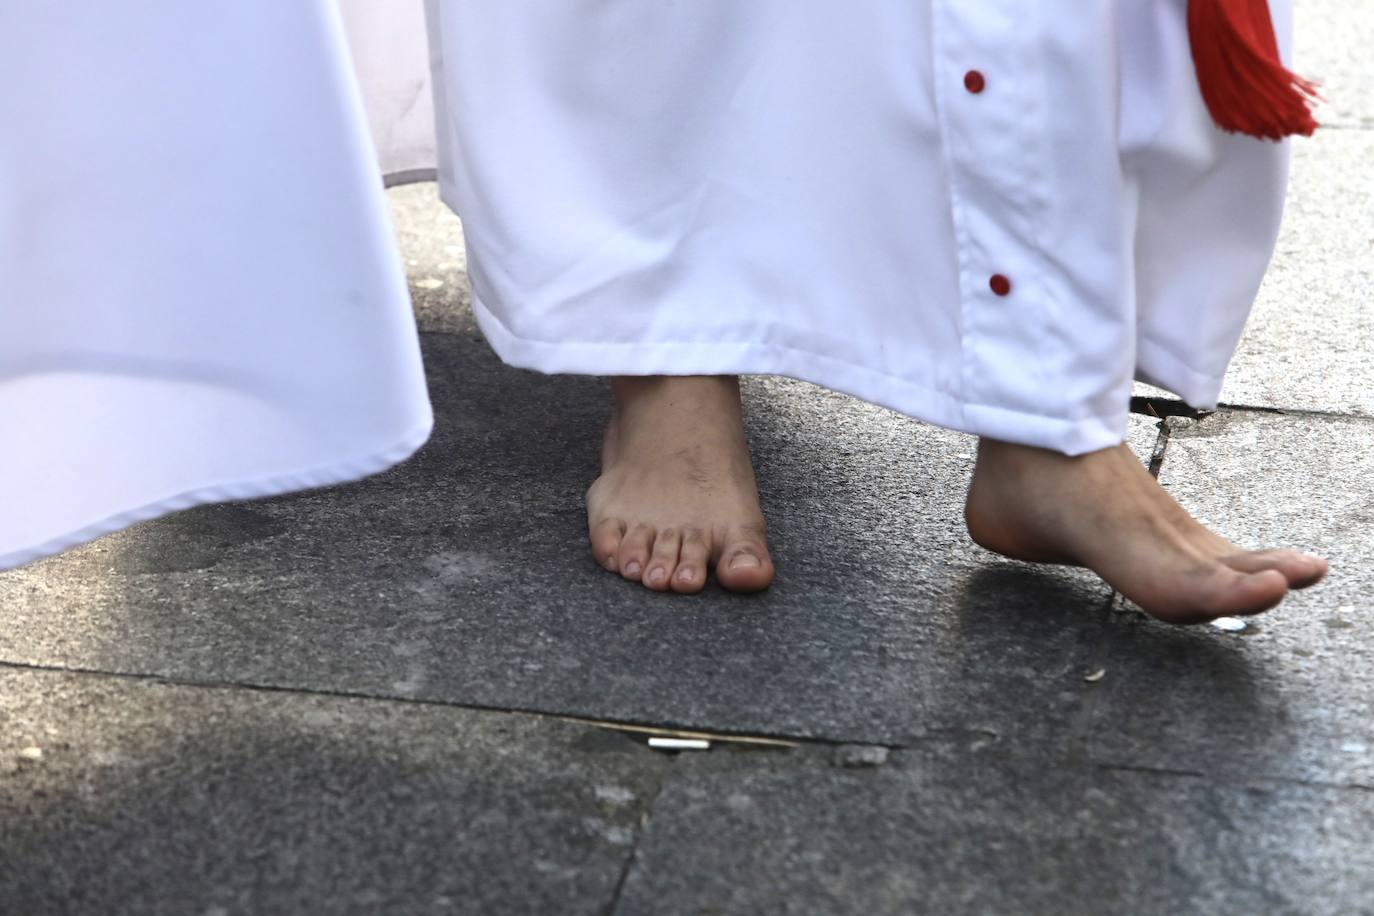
200,297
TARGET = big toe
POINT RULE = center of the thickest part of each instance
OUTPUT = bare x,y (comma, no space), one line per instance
1299,569
745,565
1226,593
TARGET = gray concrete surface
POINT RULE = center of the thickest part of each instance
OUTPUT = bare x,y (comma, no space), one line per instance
384,697
1292,695
154,798
954,826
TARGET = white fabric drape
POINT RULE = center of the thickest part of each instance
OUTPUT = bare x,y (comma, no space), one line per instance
199,293
987,215
391,55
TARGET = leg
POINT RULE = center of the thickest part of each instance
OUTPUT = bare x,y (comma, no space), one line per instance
1104,511
676,493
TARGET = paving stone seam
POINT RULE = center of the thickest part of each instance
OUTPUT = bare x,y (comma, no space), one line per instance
738,740
645,817
1303,412
807,750
1156,408
1214,779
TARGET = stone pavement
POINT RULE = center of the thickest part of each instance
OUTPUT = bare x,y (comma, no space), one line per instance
416,694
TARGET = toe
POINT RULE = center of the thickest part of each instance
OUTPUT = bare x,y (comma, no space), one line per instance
1300,569
605,537
745,565
634,551
1226,593
690,576
1254,593
663,560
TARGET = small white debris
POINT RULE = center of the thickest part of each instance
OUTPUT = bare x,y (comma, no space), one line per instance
738,801
429,283
1229,624
1096,676
32,753
615,795
679,744
855,756
1355,747
611,833
619,836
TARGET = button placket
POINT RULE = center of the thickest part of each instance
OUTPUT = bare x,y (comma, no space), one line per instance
990,144
975,82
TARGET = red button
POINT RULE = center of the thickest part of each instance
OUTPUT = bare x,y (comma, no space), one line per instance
1000,285
974,82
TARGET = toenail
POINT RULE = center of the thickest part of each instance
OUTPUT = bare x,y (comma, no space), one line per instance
609,563
632,568
657,575
686,575
745,560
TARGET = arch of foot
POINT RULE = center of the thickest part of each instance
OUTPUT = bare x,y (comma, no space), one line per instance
1026,95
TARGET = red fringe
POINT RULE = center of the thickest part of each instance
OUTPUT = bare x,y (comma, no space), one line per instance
1247,88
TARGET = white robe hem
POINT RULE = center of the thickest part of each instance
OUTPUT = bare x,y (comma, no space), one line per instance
1157,365
324,475
717,357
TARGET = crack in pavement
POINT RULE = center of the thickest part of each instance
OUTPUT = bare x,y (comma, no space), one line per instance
808,747
742,740
613,905
1163,408
1214,779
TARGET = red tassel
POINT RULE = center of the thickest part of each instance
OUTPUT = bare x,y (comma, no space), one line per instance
1247,88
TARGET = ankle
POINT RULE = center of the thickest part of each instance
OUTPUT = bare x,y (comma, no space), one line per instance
634,385
658,396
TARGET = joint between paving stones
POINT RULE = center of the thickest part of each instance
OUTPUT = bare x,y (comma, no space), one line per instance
1310,413
613,906
1165,408
739,741
1215,779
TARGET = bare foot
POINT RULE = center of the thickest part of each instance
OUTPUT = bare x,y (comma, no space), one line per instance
676,494
1104,511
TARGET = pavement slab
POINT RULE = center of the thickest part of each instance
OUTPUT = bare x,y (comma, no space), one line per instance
960,826
133,796
1292,694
